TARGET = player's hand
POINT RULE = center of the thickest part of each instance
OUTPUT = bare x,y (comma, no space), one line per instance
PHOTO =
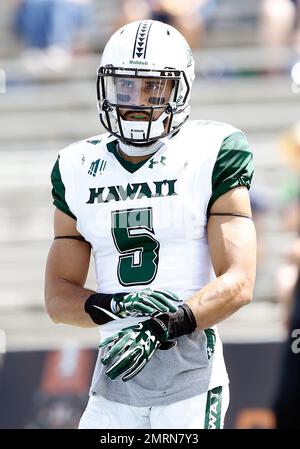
145,302
132,347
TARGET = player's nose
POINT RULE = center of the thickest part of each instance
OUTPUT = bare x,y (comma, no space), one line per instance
140,100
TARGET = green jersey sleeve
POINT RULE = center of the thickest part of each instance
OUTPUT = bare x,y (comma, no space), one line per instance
59,191
233,166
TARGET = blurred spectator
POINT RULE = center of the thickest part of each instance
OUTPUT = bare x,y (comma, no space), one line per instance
49,29
189,16
59,399
279,19
288,395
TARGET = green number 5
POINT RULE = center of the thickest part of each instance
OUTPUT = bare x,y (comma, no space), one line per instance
132,231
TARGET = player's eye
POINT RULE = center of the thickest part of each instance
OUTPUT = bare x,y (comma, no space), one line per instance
152,87
126,84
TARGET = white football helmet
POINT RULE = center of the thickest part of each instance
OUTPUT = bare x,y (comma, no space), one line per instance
144,82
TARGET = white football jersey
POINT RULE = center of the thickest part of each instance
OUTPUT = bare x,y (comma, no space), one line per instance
146,224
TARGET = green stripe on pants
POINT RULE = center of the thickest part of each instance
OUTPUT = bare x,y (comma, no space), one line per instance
213,409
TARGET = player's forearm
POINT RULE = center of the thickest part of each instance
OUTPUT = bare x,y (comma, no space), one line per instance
65,303
220,298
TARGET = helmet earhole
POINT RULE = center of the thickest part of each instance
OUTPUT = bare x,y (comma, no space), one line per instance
171,108
105,106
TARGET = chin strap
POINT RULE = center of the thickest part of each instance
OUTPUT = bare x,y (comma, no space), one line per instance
132,150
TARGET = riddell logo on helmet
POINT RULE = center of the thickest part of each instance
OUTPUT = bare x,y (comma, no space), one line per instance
132,61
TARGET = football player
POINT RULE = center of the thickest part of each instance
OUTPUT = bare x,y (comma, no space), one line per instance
162,202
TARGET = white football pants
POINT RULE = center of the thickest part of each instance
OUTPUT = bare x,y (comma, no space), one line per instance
205,411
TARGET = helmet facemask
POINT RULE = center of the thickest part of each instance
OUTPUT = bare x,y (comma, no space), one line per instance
140,106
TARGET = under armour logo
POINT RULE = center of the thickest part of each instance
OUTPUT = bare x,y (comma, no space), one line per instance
209,353
152,162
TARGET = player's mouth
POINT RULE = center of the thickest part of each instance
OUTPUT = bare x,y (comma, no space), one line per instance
136,115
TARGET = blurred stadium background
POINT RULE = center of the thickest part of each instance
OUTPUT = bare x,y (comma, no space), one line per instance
45,369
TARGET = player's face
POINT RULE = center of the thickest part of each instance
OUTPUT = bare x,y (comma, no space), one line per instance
142,92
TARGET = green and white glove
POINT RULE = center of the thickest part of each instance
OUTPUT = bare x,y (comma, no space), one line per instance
130,349
144,302
135,345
